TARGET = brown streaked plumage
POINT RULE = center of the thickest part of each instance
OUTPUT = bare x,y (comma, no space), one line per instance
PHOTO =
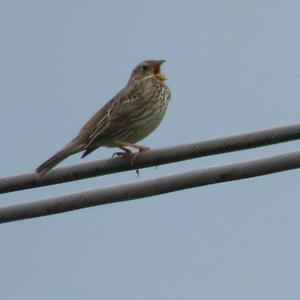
124,120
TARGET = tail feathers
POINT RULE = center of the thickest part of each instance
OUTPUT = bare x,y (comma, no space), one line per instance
71,148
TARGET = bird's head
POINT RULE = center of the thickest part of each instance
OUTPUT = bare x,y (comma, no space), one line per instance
148,68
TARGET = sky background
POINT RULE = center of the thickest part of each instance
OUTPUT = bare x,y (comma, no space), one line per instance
233,67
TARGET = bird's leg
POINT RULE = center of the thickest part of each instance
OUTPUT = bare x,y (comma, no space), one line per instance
134,160
126,152
132,145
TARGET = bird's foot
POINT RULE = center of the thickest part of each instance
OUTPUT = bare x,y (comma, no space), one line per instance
126,152
134,156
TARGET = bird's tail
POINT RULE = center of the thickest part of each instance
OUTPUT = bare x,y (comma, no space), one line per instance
73,147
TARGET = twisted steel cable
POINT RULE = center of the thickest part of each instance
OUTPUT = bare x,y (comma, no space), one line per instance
151,187
152,158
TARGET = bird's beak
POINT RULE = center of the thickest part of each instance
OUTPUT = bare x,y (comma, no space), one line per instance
160,77
157,73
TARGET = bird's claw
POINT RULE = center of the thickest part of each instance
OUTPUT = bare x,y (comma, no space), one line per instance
121,154
134,156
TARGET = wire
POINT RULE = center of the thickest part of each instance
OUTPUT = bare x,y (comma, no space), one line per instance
151,187
152,158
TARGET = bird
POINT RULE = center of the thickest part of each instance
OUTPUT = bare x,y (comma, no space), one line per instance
130,116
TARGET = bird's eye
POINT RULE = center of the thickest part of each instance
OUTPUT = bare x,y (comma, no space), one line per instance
145,68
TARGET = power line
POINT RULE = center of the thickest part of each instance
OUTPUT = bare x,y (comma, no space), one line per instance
151,187
152,158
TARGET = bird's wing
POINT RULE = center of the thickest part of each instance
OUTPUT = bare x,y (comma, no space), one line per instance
112,114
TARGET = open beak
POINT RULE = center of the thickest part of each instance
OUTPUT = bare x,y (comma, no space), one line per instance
160,77
157,73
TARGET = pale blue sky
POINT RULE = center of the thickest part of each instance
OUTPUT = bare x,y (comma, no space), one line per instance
233,66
